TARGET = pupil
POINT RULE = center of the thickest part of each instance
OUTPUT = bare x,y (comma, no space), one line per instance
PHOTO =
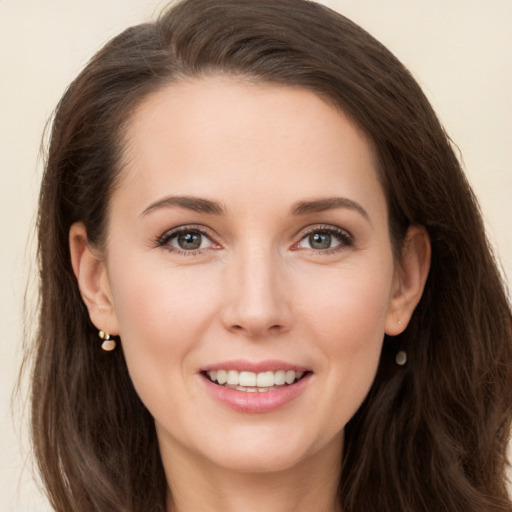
320,240
189,241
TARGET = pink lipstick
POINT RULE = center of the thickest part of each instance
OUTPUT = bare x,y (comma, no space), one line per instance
255,387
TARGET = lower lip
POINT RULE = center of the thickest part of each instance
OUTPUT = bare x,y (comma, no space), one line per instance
257,402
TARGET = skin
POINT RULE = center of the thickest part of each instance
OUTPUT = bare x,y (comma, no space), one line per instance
258,288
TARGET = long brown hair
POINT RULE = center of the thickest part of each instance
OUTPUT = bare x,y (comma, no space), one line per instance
431,435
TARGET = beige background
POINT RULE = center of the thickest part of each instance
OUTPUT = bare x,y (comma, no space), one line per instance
459,50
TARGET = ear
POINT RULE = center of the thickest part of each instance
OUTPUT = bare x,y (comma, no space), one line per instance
409,280
92,278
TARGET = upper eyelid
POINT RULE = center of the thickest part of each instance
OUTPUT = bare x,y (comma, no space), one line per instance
168,235
164,240
323,227
345,237
213,237
305,230
186,227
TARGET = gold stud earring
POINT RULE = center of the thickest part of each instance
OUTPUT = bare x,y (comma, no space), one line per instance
108,343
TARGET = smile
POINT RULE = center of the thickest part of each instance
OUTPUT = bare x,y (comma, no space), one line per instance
254,382
256,387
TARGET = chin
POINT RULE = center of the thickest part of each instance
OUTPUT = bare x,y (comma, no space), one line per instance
279,452
254,462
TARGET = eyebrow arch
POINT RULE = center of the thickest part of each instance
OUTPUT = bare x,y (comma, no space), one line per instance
329,203
196,204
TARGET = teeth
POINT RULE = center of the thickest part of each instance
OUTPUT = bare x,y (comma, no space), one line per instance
280,377
265,380
290,376
247,379
253,382
233,377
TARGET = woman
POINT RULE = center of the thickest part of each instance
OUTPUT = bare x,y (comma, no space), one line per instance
255,208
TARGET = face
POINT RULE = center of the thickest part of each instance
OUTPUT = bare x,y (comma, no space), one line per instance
249,269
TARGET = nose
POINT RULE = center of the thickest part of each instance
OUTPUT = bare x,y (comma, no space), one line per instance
258,301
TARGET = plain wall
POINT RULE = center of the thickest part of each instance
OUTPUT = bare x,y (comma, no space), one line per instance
459,50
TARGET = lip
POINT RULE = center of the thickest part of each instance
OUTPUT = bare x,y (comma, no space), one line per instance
256,402
272,365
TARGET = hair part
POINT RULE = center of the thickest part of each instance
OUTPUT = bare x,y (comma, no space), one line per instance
432,435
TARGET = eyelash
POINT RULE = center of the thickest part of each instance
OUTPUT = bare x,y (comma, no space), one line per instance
165,239
346,239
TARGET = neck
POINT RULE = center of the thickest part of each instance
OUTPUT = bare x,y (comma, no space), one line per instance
310,486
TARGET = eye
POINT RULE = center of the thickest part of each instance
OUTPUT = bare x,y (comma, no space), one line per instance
189,241
186,240
325,239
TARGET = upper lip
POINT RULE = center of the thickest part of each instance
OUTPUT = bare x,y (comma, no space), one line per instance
243,365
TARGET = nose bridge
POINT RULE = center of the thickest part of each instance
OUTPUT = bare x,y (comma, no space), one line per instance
256,302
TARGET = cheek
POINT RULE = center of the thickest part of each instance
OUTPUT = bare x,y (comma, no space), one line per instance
353,328
348,306
347,316
162,315
156,303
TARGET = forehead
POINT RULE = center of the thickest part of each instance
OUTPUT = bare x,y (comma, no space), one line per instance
206,135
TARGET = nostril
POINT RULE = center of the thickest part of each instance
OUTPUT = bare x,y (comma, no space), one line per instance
274,328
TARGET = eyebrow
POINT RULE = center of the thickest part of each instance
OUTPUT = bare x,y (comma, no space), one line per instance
195,204
329,203
201,205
